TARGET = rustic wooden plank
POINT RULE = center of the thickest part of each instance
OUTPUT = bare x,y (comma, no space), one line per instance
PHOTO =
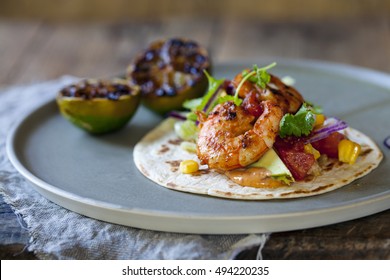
362,43
33,51
94,50
364,238
58,50
115,10
15,43
16,252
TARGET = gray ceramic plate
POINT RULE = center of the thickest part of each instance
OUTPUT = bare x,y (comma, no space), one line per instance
96,176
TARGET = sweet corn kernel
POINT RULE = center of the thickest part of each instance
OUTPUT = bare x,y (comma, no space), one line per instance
348,151
189,166
311,150
320,118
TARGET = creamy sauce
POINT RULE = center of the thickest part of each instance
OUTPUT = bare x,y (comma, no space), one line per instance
256,177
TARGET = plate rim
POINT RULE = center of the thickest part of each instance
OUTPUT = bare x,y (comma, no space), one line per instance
74,202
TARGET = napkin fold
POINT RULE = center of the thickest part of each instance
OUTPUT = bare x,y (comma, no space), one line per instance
57,233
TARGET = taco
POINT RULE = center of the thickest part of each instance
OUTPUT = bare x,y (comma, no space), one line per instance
254,138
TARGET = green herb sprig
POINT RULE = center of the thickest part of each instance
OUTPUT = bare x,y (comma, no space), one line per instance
258,76
215,96
299,124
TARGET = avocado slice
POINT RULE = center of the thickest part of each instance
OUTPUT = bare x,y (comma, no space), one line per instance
273,163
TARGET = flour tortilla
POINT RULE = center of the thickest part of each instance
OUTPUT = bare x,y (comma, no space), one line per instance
158,156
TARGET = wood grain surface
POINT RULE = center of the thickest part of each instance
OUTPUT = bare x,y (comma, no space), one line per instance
119,10
35,50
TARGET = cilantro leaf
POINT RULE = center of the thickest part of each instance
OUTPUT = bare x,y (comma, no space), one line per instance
299,124
259,76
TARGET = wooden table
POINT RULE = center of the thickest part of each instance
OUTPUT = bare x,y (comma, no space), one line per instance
35,50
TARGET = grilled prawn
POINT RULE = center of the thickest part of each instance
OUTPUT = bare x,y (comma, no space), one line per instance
287,97
232,138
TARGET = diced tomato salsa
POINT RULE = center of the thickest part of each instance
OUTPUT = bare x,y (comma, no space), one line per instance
329,145
291,151
252,105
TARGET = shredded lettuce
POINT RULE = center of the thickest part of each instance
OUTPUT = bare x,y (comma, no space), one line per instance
316,109
192,104
187,130
285,178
